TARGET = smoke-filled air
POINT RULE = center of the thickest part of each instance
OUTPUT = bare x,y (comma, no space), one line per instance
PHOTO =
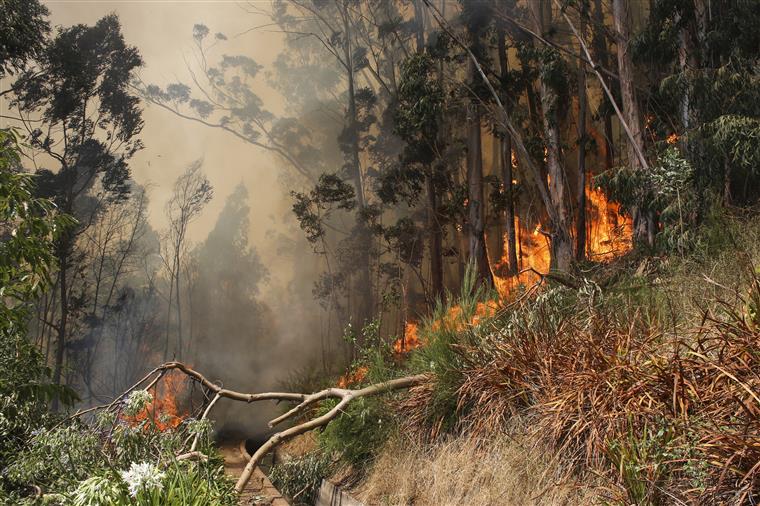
379,252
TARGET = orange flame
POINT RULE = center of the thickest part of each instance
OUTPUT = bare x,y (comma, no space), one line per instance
163,411
452,319
611,232
609,235
353,377
410,341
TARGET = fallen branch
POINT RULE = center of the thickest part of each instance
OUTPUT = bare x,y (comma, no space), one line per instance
193,455
345,396
305,400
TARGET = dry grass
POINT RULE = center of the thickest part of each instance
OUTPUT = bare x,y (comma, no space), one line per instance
463,471
667,416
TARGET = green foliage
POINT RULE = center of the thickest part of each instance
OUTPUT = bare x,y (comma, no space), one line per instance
330,194
78,463
28,228
642,462
667,189
359,433
300,478
420,100
83,69
23,27
367,423
738,138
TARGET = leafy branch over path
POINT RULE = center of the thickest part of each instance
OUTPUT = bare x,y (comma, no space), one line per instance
305,400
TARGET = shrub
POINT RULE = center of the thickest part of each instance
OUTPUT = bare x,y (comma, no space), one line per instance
300,478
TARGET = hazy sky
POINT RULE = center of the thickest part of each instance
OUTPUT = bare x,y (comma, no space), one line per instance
162,31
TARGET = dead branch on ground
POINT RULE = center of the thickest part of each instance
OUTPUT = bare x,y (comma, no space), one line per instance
305,401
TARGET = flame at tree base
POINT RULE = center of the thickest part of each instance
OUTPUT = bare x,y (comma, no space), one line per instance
609,235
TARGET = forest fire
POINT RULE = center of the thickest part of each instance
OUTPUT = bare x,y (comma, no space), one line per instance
163,411
610,231
609,236
410,341
353,377
453,319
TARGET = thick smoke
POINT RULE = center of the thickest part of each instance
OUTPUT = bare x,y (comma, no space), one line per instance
249,316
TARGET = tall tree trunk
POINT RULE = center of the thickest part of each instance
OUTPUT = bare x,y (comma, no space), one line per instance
435,234
475,206
601,54
178,296
561,242
364,306
580,231
436,239
644,222
169,312
60,349
506,166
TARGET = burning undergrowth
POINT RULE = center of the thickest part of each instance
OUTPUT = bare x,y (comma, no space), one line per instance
167,406
610,236
660,413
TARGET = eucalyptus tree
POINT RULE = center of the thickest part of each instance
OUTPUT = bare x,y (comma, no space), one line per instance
190,194
23,33
220,94
417,119
644,218
77,109
553,90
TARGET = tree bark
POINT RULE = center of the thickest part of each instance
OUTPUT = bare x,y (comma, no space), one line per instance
600,51
60,348
435,235
561,242
364,283
643,221
580,232
475,205
506,168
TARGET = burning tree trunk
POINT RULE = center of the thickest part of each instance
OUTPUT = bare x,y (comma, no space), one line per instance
600,51
475,204
506,168
521,150
475,201
561,242
580,233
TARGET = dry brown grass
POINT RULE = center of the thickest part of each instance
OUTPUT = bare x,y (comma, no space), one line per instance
464,471
667,417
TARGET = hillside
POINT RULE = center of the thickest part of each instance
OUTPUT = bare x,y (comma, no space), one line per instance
635,383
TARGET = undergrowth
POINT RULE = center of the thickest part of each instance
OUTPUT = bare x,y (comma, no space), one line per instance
109,461
300,478
645,382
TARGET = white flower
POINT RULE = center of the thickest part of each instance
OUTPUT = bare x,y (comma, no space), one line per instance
143,476
136,401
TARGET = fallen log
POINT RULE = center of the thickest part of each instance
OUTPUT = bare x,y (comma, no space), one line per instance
345,396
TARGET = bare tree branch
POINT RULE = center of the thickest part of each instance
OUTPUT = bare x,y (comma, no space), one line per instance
305,400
